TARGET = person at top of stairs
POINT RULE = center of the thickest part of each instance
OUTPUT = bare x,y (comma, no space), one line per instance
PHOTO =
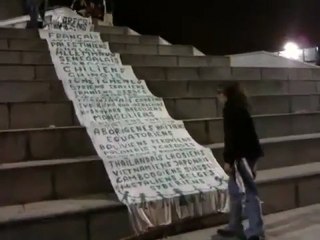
242,150
93,8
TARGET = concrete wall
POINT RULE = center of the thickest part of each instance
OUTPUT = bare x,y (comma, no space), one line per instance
265,59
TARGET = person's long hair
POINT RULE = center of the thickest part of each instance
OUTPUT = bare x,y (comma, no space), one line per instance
236,96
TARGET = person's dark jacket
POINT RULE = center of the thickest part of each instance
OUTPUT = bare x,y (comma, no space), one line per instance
241,140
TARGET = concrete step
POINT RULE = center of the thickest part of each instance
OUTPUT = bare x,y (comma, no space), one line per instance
208,88
31,91
33,72
226,73
61,142
206,131
297,224
19,115
30,33
66,178
135,48
79,218
22,34
44,58
113,30
44,91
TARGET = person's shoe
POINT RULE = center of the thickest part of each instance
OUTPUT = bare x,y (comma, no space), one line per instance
256,238
226,233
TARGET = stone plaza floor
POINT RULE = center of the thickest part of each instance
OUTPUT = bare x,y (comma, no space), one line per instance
298,224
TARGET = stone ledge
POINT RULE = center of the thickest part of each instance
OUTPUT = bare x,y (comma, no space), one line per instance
55,208
86,205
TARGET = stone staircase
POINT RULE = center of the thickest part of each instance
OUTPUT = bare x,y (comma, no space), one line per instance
53,186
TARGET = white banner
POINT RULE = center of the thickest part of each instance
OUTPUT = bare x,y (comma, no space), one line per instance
149,157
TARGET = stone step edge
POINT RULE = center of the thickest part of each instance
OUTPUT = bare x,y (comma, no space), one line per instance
55,208
216,57
124,28
111,43
188,68
167,81
37,37
53,128
49,209
272,140
67,161
66,101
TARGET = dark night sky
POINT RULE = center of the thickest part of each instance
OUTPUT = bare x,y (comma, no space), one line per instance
225,26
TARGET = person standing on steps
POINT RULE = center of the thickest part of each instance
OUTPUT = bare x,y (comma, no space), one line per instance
242,151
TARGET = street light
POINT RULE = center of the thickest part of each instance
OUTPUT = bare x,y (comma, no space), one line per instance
291,50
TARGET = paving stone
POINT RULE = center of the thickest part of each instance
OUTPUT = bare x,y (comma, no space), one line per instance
57,92
18,33
72,180
46,72
222,73
46,144
180,50
305,103
133,49
16,73
246,73
30,45
51,229
300,74
141,60
149,73
4,116
39,58
77,143
168,88
145,39
284,191
28,115
115,220
22,185
192,108
215,131
121,38
274,126
60,143
316,74
198,131
309,191
302,87
182,74
292,153
204,61
265,87
297,224
318,87
204,88
268,105
3,44
13,146
304,124
24,91
274,74
9,57
112,30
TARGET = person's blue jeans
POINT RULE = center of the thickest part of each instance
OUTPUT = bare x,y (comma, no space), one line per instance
250,199
31,8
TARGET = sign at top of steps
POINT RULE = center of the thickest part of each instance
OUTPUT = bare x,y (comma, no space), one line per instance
68,20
